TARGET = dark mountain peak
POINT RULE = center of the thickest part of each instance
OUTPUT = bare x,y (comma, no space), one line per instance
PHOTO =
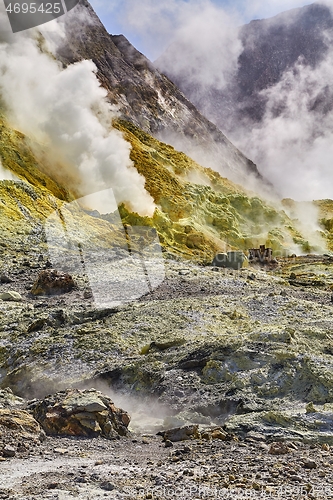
148,98
282,39
308,14
270,47
131,54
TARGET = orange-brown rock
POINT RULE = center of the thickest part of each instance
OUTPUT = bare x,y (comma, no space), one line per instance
81,413
52,282
278,449
182,433
19,424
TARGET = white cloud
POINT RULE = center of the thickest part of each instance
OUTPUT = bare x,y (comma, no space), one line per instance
154,25
260,9
205,48
294,143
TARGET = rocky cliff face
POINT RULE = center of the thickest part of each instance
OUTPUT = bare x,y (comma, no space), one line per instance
148,98
270,47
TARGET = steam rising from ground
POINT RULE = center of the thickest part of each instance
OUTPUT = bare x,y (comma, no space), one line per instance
6,175
293,149
147,414
294,142
293,145
305,216
65,110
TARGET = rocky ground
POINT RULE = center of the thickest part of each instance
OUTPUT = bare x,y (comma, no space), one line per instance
247,351
141,467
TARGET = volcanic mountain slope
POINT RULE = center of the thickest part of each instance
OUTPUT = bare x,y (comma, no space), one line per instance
147,98
203,342
270,48
273,46
198,212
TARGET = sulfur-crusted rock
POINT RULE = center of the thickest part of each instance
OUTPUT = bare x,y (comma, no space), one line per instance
218,433
9,400
52,282
278,449
81,413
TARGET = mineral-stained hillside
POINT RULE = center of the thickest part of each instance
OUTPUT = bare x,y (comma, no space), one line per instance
251,349
198,212
201,210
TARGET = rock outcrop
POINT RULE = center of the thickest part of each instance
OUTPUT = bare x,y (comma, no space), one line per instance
9,400
52,282
80,413
270,47
11,296
18,428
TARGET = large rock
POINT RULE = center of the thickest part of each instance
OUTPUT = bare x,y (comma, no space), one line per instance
181,433
52,282
19,424
81,413
232,260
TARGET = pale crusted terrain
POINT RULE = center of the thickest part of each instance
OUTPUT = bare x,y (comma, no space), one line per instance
246,350
141,468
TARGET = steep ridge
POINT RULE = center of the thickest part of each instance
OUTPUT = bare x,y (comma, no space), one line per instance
272,46
200,212
148,98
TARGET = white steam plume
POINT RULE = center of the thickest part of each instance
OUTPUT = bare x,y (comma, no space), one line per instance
152,26
201,33
7,175
65,110
294,143
292,150
205,48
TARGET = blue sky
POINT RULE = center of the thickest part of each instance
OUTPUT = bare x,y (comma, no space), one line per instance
151,24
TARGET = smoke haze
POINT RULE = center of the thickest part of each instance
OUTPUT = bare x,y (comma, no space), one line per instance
65,111
294,143
292,146
152,26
